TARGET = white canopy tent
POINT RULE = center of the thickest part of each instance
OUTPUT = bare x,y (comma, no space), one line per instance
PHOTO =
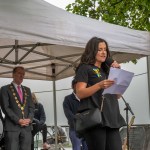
49,41
40,36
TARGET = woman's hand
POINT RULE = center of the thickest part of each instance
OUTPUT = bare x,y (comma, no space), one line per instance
119,96
115,64
106,83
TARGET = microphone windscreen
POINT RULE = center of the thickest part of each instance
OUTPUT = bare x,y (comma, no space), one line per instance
109,61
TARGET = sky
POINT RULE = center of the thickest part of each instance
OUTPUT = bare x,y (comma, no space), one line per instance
60,3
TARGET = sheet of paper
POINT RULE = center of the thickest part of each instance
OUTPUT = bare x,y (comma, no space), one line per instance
122,80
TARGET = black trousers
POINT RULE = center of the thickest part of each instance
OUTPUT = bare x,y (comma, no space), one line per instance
36,129
103,139
18,140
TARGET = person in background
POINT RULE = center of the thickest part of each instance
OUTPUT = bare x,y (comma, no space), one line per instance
2,141
91,77
1,116
70,106
39,122
17,106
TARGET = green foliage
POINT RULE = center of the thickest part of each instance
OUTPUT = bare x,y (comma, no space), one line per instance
134,14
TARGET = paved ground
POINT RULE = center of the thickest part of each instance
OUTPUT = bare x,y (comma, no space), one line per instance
60,147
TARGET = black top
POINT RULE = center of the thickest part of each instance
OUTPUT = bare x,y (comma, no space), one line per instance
39,114
70,106
91,75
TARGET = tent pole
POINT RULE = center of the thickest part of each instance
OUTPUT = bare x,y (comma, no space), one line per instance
54,103
148,76
55,113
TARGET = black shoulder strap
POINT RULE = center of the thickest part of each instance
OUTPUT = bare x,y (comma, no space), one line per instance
94,102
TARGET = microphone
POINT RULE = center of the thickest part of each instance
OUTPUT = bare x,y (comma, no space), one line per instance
109,61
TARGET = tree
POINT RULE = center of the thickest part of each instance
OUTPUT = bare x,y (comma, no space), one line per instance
134,14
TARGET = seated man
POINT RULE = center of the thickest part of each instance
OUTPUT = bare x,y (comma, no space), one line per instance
39,122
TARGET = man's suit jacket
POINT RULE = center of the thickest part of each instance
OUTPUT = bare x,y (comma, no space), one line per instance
11,107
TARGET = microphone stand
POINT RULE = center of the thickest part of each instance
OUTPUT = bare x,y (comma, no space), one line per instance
127,109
